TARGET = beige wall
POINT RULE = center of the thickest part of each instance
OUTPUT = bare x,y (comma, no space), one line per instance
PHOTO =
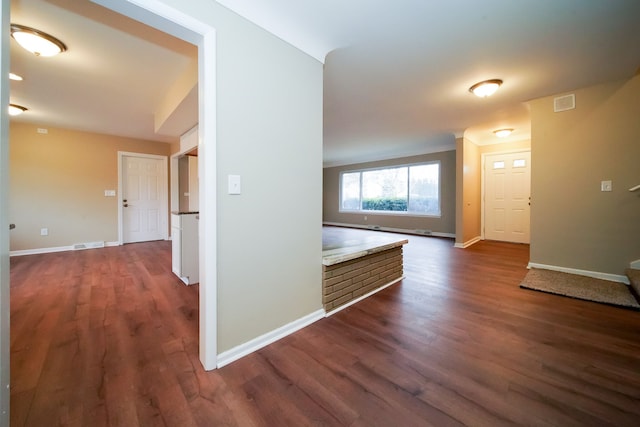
505,147
459,189
183,184
269,131
57,181
573,223
443,224
470,174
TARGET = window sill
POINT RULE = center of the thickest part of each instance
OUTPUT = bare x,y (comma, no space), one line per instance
391,213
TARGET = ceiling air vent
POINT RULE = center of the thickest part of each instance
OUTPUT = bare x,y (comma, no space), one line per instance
564,103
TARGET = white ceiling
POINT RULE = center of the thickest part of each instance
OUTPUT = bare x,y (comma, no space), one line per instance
396,73
117,77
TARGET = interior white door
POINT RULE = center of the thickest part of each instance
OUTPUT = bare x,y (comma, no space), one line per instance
507,190
143,199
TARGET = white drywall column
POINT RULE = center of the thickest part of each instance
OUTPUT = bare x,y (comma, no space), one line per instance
208,201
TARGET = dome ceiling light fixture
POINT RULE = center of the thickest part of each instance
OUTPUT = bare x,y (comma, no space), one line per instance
502,133
16,110
36,41
485,88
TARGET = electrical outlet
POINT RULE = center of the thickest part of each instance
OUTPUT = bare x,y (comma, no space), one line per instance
44,231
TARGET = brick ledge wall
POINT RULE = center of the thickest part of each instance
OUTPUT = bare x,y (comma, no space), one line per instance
349,280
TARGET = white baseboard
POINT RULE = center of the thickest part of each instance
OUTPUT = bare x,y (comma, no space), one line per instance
38,251
468,243
360,298
635,264
595,274
391,229
255,344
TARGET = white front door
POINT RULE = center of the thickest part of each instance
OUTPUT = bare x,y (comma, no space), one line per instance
507,190
143,198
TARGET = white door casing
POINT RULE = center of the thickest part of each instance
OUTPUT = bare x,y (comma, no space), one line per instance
143,197
507,190
159,15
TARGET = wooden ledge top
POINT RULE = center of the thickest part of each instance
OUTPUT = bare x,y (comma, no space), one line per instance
352,249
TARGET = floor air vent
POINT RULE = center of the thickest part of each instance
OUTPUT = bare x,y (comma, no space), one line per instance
89,245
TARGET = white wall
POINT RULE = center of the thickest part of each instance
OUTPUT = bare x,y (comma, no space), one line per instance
269,131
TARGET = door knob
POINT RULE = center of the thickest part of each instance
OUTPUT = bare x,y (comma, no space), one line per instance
126,205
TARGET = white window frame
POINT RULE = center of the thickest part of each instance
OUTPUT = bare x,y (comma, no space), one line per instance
391,213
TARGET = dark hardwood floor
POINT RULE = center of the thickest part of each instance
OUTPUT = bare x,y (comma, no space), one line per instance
109,337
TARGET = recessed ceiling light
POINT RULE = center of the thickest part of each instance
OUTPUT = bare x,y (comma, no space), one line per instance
501,133
36,41
485,88
15,77
16,110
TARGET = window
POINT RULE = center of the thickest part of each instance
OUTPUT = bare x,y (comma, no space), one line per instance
413,189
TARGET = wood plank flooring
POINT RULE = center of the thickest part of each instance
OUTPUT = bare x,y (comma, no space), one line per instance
109,337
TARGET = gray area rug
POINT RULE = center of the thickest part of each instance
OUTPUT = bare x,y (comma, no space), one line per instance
580,287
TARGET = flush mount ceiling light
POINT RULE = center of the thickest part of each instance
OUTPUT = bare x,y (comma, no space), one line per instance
16,110
15,77
501,133
485,88
36,42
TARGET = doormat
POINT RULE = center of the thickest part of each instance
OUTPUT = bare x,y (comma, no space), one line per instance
580,287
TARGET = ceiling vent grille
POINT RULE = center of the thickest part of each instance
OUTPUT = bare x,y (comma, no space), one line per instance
564,103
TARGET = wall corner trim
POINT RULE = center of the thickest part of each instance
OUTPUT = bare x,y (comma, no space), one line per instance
38,251
595,274
257,343
468,243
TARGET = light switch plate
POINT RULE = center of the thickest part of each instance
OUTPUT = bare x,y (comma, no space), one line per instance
109,193
234,184
606,186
